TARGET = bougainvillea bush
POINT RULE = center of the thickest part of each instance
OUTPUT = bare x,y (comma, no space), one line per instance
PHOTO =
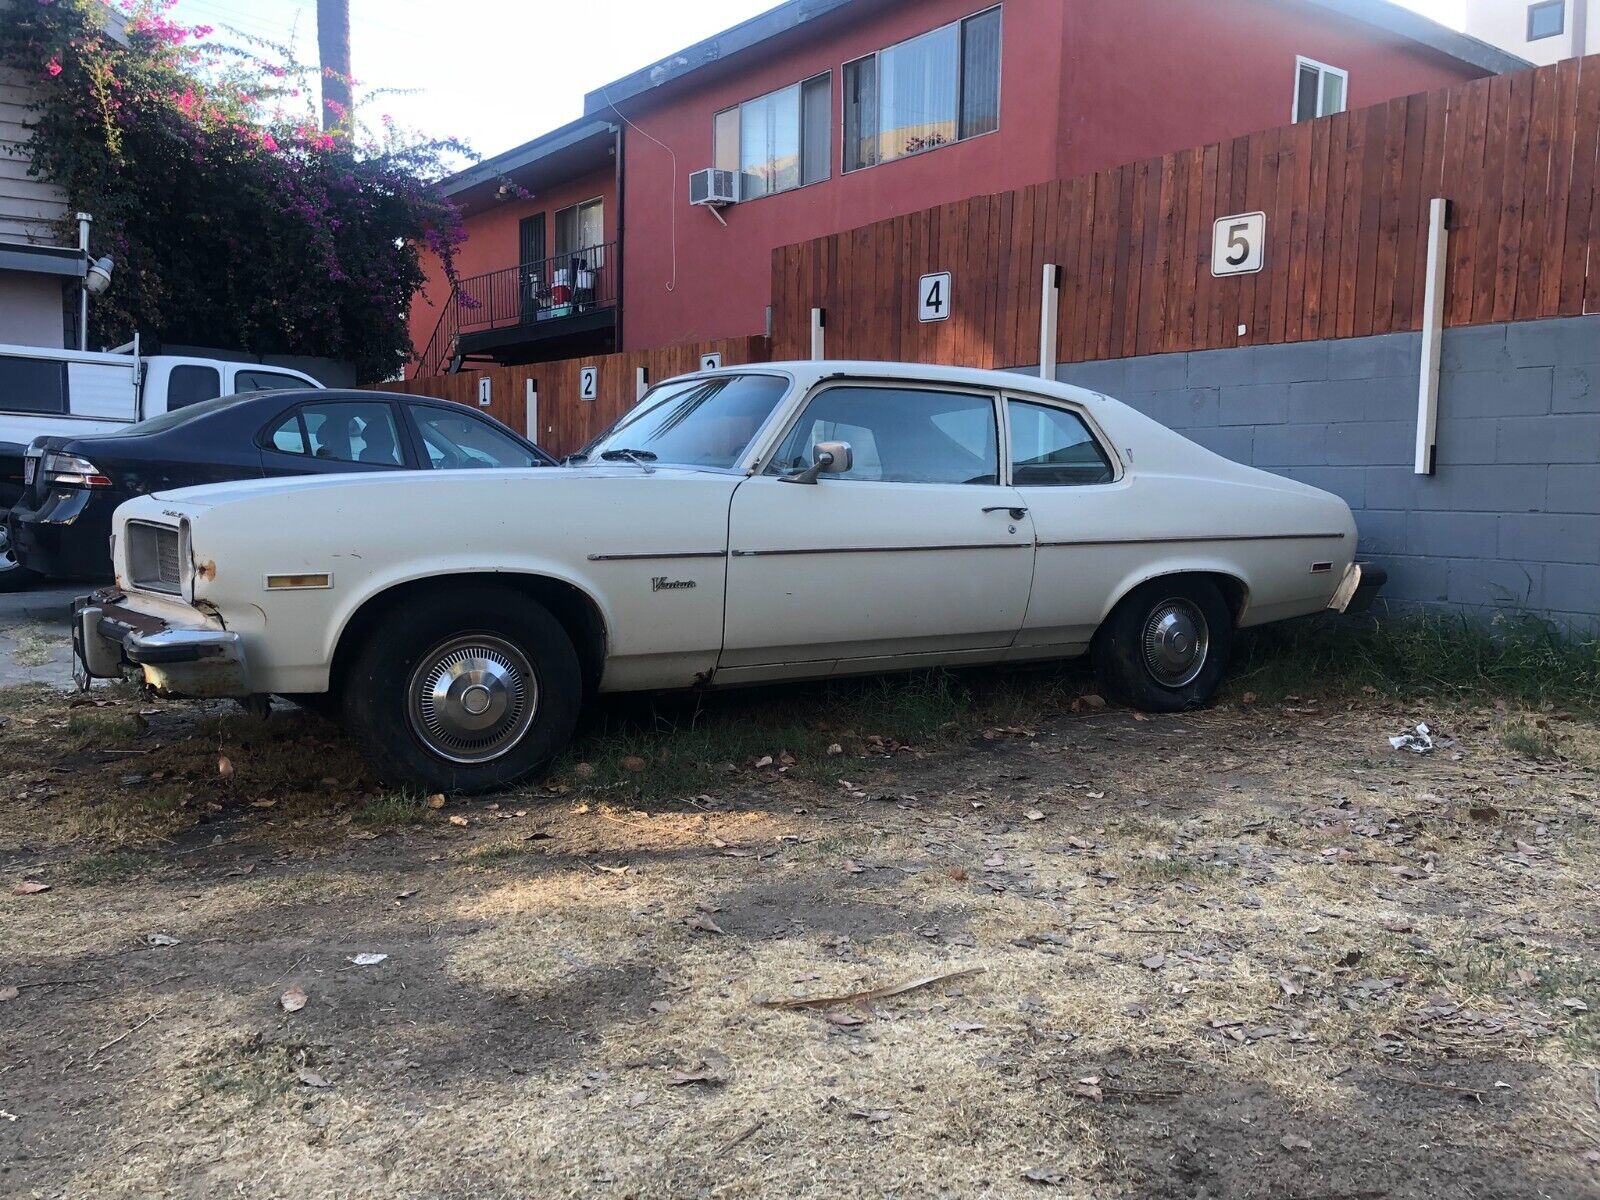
234,219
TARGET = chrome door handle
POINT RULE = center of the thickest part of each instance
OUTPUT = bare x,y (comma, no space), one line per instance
1016,513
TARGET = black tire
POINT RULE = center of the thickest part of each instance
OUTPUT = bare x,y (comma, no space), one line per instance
14,577
1165,646
411,692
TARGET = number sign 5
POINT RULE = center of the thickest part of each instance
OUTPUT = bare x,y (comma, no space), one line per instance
1238,244
933,297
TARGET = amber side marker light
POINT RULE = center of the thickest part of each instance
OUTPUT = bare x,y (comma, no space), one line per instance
283,583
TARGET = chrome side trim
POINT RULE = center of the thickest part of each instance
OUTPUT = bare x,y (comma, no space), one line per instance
882,549
657,557
1237,537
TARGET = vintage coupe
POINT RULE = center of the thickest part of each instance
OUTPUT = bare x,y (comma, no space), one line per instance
783,521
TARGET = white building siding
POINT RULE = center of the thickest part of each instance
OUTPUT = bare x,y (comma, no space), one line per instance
29,207
1504,23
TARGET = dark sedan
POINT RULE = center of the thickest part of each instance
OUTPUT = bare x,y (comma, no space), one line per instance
61,525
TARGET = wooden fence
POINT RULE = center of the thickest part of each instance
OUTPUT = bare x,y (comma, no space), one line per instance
567,418
1345,199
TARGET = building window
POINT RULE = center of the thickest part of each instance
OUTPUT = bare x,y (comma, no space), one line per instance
580,226
940,87
778,141
1320,90
1547,19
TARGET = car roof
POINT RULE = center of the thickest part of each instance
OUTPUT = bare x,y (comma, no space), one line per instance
809,372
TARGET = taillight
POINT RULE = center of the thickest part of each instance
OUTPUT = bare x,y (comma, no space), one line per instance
72,471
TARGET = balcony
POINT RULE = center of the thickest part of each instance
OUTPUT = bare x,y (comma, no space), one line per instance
551,308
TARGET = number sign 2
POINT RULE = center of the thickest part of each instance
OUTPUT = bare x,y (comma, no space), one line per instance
588,383
933,297
1238,244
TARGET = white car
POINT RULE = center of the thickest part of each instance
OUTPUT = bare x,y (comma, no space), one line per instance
783,521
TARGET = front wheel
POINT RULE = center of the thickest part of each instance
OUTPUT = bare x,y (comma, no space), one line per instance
1164,647
466,691
14,577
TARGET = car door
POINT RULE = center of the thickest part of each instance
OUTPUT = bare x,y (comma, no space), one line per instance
1077,494
329,436
917,553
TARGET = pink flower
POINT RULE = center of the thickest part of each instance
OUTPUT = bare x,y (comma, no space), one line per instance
53,66
269,142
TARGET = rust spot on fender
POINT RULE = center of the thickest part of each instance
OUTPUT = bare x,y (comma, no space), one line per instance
207,570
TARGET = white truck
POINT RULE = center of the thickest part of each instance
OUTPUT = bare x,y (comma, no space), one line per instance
74,393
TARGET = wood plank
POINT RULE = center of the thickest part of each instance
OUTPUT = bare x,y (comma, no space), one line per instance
1517,164
1559,193
1371,215
1490,199
1405,296
1320,200
1580,272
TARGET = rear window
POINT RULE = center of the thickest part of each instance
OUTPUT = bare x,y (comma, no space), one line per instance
172,419
33,385
190,384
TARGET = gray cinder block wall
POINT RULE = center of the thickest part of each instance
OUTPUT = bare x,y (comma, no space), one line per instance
1510,520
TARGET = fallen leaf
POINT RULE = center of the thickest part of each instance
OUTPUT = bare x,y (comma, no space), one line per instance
871,1116
311,1078
160,939
458,820
1291,987
852,867
1154,963
660,1006
835,749
30,887
633,763
880,993
704,924
1294,1141
845,1020
9,993
293,1000
968,1027
1048,1178
367,960
1033,814
436,800
225,767
407,894
764,761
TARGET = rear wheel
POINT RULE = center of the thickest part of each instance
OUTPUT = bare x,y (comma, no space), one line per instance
465,691
14,577
1164,648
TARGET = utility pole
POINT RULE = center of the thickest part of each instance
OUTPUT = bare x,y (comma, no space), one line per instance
333,48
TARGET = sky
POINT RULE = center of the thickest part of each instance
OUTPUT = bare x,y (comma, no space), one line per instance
496,73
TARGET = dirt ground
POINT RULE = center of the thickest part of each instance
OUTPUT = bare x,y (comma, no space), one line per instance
1246,952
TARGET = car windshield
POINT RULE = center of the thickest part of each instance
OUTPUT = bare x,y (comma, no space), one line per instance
695,423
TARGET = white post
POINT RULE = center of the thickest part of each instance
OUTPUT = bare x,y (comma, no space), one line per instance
1432,335
818,321
641,382
1049,308
531,396
84,220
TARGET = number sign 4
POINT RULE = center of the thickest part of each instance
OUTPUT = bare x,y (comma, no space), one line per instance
933,297
1238,244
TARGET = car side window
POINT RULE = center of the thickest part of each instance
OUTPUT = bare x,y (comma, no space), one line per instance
899,434
1051,447
265,381
189,384
288,436
457,441
353,431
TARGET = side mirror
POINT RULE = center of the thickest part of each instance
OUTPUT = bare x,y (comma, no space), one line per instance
833,458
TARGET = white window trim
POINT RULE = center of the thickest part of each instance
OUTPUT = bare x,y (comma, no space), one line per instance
801,84
1323,71
1000,89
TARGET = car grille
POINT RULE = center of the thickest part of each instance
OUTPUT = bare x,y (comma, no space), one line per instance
153,559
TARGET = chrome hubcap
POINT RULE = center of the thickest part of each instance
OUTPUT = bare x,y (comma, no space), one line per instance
472,698
1176,640
7,558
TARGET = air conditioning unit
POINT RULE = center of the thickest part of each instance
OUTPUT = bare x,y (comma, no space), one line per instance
712,186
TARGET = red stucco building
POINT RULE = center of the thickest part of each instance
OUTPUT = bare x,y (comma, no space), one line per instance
834,113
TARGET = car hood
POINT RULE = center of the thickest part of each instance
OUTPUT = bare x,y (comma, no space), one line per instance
368,487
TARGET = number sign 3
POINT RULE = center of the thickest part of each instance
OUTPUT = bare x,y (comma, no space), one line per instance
588,383
1238,244
933,297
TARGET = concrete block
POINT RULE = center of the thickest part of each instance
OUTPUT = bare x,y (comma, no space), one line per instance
1289,362
1554,342
1466,441
1453,534
1554,438
1106,375
1550,537
1183,408
1523,392
1398,488
1577,389
1157,373
1495,583
1414,578
1574,488
1501,488
1221,368
1389,354
1291,445
1371,443
1392,398
1573,588
1336,399
1475,348
1381,532
1233,441
1254,404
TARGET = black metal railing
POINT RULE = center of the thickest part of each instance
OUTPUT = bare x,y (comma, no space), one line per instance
531,293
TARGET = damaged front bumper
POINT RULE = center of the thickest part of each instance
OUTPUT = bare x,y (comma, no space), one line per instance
197,660
1358,588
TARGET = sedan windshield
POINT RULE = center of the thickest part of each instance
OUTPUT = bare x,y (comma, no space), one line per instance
694,423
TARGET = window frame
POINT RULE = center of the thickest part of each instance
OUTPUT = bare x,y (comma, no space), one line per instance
411,409
800,107
1323,70
766,465
574,207
959,87
1543,6
397,416
1118,470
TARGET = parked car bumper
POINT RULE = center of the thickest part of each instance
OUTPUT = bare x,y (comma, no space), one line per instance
67,535
110,633
1358,588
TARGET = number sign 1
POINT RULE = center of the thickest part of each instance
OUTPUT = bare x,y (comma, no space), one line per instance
588,383
485,391
933,297
1238,244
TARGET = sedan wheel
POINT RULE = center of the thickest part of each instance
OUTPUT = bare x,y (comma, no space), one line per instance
472,698
13,575
1164,647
